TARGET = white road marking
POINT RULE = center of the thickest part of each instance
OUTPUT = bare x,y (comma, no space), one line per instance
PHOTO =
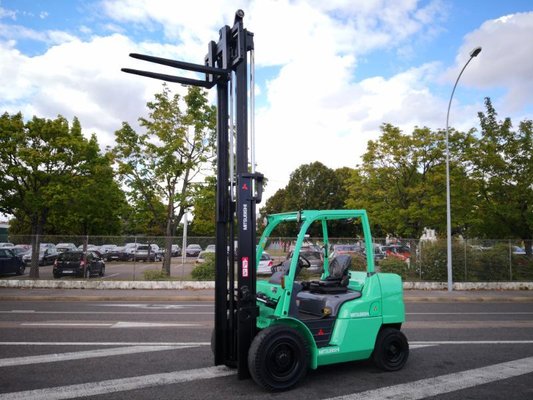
471,313
110,276
150,325
81,355
446,383
111,324
444,342
105,344
108,312
119,385
65,324
156,306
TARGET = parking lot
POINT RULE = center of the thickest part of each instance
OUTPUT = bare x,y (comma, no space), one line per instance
146,350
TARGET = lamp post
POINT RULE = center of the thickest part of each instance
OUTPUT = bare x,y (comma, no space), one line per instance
473,54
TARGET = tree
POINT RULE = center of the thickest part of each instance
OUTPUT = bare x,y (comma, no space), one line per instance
161,165
39,161
502,160
204,210
401,182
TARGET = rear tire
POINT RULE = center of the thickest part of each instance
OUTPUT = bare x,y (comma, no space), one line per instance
391,351
278,358
20,270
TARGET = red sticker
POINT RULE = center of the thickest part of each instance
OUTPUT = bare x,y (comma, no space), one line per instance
245,267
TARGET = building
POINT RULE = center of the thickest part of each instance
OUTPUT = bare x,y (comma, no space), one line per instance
4,226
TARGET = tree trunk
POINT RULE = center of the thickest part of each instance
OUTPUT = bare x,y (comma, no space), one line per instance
36,229
168,247
527,246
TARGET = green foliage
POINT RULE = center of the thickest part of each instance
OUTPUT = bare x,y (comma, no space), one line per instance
502,164
204,202
53,177
160,165
395,266
401,182
206,270
155,275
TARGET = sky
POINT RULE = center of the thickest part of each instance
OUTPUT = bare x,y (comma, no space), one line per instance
328,73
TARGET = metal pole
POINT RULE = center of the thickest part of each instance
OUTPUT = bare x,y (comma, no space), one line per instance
184,243
473,54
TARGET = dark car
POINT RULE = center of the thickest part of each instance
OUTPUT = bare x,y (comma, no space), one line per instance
193,250
10,263
176,250
74,263
47,254
315,258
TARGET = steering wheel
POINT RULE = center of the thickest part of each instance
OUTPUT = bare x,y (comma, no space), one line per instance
303,262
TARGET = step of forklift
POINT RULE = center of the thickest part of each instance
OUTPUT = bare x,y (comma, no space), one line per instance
323,305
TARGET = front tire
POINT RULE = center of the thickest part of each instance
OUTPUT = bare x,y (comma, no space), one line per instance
278,358
391,351
20,270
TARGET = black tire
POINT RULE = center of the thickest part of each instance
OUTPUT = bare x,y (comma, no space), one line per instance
278,358
391,351
20,270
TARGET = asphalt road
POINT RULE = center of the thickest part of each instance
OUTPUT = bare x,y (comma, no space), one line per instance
159,350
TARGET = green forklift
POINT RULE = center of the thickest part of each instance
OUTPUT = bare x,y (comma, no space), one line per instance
275,330
344,316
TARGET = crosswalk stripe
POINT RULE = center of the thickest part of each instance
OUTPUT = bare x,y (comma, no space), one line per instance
119,385
446,383
80,355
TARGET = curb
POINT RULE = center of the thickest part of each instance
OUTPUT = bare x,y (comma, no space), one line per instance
208,298
193,285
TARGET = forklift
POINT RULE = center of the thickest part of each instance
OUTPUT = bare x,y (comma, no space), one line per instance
275,330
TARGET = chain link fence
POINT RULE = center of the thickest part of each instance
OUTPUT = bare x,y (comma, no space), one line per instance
474,260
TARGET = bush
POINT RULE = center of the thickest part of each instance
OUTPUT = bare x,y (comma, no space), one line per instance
394,266
434,264
206,270
155,275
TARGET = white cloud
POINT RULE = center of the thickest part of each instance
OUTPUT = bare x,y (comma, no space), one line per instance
312,107
506,61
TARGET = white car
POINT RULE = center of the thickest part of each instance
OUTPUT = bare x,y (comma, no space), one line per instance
265,264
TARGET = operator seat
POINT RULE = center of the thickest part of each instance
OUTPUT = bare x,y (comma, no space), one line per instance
337,281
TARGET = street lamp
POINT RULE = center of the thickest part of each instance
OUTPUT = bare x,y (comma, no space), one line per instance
473,54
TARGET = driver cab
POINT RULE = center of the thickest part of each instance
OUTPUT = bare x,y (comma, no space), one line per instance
316,302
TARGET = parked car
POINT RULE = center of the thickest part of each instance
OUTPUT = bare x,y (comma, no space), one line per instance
148,252
397,251
90,247
10,263
349,249
47,254
76,263
20,250
315,257
210,248
193,250
62,247
378,253
265,264
106,248
175,251
4,245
